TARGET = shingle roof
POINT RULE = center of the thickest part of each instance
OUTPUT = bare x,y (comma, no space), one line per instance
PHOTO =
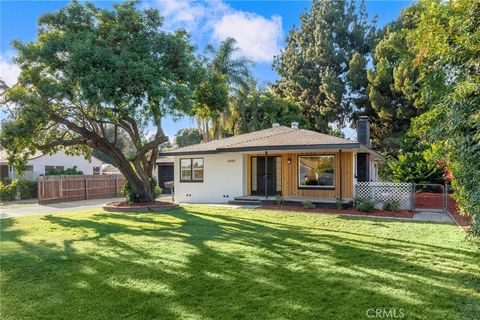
279,138
4,156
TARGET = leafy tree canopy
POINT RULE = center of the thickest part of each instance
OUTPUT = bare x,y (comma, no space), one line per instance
255,109
91,70
188,137
447,46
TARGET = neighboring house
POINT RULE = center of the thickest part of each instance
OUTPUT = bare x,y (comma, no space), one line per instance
40,163
292,162
165,172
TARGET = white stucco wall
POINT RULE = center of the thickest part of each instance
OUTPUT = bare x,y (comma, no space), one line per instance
223,179
60,159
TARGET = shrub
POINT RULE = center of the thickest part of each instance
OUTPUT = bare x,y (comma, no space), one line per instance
364,204
280,200
391,205
339,203
130,195
8,191
27,189
307,204
158,191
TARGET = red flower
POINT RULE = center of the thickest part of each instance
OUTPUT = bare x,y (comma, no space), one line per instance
449,176
440,163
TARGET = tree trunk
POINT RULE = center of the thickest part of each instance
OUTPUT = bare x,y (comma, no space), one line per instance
141,188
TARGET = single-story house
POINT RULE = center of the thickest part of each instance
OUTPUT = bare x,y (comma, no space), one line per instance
288,161
39,164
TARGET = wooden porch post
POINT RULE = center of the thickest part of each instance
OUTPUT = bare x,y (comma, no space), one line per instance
266,177
340,153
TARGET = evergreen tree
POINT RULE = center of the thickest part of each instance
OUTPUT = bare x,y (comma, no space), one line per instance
323,66
394,84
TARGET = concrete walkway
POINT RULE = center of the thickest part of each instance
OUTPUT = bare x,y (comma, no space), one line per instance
432,216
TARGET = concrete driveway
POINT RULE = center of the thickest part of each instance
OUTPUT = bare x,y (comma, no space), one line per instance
31,207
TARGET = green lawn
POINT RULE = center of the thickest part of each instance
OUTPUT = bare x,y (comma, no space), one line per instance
202,262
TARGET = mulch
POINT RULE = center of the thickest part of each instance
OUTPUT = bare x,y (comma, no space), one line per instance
352,211
139,204
463,220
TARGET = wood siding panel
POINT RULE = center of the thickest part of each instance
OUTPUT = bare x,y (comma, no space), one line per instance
290,176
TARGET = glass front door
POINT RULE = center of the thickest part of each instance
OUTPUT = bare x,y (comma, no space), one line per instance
266,175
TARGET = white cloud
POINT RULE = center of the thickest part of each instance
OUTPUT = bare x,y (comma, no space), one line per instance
258,37
8,71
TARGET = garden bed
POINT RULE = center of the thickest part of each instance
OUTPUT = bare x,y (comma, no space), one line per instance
463,220
351,211
123,206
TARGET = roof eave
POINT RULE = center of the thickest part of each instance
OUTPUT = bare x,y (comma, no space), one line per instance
268,148
369,150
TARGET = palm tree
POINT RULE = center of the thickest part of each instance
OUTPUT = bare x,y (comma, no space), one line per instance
235,70
225,61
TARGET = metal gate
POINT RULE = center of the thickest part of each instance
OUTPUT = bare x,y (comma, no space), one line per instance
430,197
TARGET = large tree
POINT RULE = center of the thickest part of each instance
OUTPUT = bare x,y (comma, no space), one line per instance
255,109
93,70
323,66
395,83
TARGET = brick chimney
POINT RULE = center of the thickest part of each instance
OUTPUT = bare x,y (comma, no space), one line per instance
363,131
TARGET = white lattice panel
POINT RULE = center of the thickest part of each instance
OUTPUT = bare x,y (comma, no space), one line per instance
381,192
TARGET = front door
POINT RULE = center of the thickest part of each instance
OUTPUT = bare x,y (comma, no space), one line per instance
266,176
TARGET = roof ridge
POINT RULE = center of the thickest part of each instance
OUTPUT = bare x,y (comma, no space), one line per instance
258,138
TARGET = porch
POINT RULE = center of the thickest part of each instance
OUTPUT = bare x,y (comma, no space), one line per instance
321,177
328,203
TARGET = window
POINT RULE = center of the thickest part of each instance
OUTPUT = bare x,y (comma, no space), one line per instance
316,171
96,170
191,170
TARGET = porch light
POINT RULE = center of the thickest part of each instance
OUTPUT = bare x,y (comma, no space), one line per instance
289,160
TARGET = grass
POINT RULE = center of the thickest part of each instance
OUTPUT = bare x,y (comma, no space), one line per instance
202,262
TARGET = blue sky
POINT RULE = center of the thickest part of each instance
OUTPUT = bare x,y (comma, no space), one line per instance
259,27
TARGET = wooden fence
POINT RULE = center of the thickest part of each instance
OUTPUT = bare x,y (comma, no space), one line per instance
54,189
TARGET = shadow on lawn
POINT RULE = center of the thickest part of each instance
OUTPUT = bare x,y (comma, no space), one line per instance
194,264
